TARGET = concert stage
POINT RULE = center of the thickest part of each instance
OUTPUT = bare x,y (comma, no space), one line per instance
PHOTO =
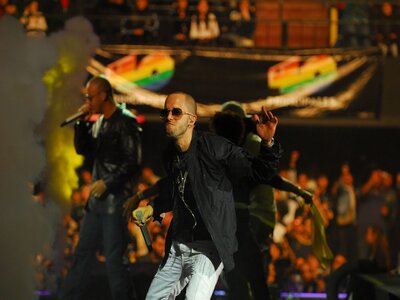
366,287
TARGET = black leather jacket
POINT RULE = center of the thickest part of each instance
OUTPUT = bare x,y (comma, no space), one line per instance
212,161
115,146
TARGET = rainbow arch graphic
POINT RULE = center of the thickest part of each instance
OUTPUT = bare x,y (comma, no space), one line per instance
294,73
152,72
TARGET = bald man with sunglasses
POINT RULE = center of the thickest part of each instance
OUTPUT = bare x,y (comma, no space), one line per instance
198,190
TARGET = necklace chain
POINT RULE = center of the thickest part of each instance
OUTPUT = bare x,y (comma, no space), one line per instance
182,177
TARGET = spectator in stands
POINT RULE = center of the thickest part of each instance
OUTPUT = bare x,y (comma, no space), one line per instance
242,24
308,278
322,189
85,178
386,29
292,170
389,213
299,236
319,273
334,283
222,11
34,21
397,223
142,27
370,206
71,229
204,28
77,207
181,21
345,207
323,199
390,205
282,258
305,182
378,247
354,26
110,27
338,261
344,169
8,8
115,7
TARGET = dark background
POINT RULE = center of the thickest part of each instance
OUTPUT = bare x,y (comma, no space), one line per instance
324,144
322,149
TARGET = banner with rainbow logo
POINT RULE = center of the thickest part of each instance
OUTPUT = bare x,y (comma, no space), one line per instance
151,72
315,83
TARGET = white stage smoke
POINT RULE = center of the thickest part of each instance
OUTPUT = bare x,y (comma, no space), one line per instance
27,227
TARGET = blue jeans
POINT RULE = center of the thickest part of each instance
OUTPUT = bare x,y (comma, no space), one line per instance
112,230
195,264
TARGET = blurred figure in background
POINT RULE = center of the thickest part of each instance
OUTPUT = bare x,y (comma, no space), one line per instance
242,24
386,28
111,14
389,213
378,247
345,208
181,22
142,26
354,29
34,21
8,8
370,204
204,28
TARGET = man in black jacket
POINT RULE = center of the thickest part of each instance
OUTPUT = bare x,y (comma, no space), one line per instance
114,143
198,189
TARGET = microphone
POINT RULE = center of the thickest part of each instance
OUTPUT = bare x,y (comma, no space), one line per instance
74,117
145,232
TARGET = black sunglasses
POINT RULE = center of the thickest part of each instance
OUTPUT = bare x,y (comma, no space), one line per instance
176,112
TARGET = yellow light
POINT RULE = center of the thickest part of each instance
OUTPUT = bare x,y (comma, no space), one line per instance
62,160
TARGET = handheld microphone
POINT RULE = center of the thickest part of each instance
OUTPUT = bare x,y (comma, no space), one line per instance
73,118
145,232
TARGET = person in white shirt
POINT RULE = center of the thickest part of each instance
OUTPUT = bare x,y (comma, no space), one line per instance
204,28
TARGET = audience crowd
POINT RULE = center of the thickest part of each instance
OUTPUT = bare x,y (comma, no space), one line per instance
202,22
362,219
361,222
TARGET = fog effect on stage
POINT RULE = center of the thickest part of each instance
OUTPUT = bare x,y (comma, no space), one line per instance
35,74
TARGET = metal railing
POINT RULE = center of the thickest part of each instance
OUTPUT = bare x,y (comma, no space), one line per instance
280,32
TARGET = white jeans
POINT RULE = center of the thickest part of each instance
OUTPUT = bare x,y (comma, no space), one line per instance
196,264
